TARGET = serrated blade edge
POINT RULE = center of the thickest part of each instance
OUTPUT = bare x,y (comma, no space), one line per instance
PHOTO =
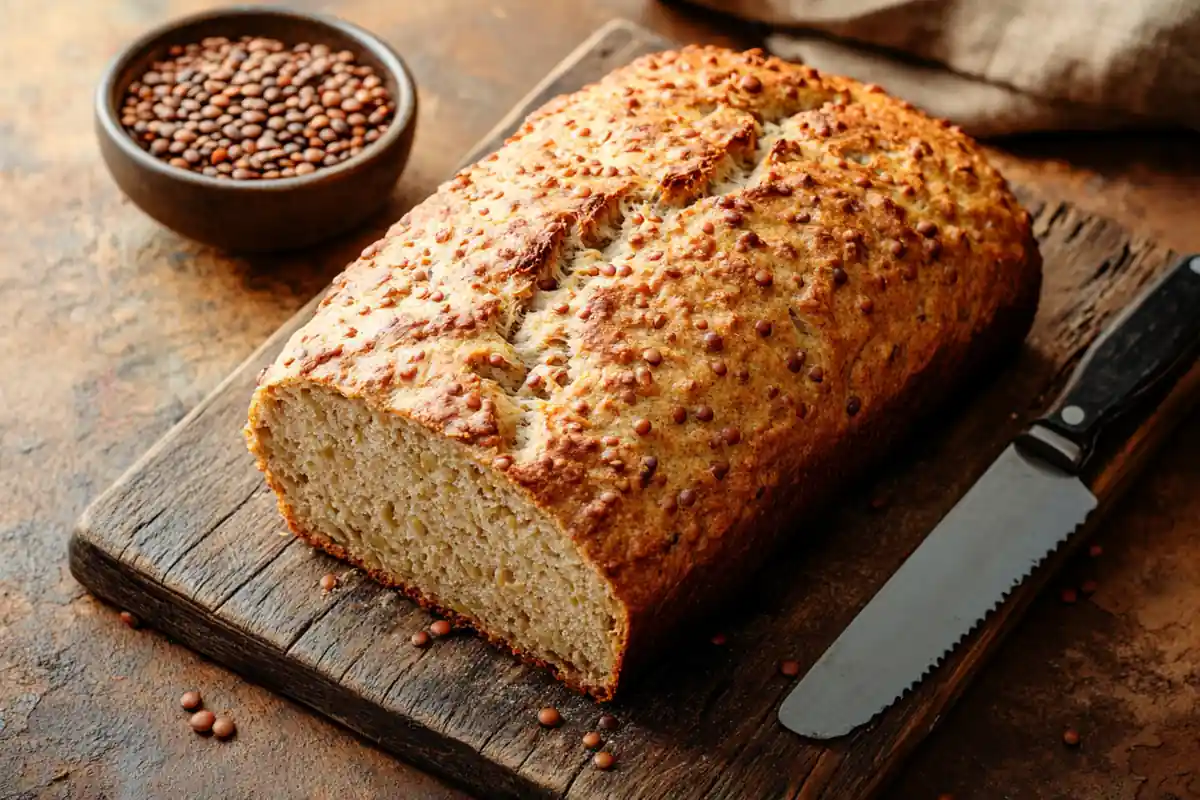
1019,512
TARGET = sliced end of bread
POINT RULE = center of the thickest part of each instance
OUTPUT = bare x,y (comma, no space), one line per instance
418,512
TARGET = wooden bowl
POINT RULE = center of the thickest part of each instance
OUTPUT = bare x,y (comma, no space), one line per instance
258,215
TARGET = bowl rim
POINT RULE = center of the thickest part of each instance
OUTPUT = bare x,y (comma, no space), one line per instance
106,111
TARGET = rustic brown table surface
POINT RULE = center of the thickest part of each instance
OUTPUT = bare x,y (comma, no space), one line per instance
114,328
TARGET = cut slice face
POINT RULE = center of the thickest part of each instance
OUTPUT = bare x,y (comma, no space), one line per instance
417,511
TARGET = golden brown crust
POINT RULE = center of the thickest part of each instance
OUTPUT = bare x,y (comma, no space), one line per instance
718,363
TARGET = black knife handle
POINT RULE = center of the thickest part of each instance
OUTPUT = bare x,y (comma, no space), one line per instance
1149,343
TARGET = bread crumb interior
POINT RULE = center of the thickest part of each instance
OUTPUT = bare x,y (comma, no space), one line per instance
411,504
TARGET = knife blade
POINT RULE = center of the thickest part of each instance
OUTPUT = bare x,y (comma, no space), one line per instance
1028,502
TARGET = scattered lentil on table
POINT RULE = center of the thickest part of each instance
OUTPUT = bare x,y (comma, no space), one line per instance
328,582
549,717
440,628
789,668
607,723
256,108
223,728
202,721
190,700
130,620
592,740
1071,737
420,639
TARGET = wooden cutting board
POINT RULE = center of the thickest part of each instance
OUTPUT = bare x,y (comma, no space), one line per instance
190,541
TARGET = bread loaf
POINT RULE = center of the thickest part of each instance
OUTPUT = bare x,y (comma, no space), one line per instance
577,395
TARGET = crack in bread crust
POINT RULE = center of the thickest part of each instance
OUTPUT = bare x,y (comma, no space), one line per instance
673,295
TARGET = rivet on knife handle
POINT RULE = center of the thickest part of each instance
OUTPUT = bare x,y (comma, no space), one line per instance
1151,342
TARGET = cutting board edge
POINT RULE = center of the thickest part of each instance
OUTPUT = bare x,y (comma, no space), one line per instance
181,620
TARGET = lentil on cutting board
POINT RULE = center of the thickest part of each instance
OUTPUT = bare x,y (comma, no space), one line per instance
255,108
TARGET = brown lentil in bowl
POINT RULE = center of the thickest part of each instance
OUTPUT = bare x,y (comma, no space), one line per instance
255,108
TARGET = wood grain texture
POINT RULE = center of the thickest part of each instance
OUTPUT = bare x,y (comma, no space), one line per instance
186,540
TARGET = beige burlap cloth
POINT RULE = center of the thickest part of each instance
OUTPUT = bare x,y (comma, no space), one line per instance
1004,66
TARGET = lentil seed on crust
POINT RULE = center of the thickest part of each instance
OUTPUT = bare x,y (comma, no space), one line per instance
848,194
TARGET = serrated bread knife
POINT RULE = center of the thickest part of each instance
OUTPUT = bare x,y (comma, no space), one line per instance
1028,502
